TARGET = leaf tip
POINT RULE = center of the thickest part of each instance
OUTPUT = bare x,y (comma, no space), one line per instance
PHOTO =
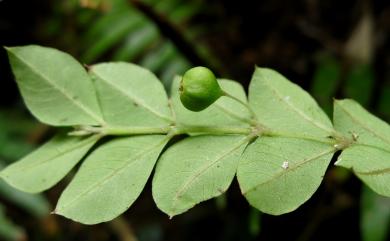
11,50
337,163
340,162
6,177
338,102
8,49
343,101
264,71
171,214
258,68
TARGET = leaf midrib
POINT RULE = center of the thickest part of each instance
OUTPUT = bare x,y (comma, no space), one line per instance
362,125
203,170
80,105
371,146
128,94
59,154
119,170
289,169
293,107
374,172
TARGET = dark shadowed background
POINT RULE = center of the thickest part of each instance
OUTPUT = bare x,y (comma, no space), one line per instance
331,48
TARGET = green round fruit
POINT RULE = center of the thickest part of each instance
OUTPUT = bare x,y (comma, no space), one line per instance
199,89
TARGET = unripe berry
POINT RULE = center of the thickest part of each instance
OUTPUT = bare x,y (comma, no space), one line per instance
199,89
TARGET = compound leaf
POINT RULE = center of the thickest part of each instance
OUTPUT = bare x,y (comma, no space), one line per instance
194,170
278,174
54,86
110,179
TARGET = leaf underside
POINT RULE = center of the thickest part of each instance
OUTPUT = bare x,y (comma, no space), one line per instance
130,95
194,170
369,156
279,162
55,87
47,165
285,107
110,179
275,187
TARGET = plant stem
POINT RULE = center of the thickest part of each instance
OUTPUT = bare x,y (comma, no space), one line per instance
115,131
294,135
214,130
182,129
172,130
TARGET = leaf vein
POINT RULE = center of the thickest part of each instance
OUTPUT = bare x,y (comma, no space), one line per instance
294,108
291,168
364,126
203,170
136,100
374,172
119,170
64,93
61,153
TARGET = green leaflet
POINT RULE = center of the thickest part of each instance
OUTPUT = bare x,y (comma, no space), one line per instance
54,86
369,155
371,165
285,108
224,111
47,165
194,170
110,179
130,95
274,187
351,118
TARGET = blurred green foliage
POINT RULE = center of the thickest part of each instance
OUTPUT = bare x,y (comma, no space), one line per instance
15,131
375,216
120,32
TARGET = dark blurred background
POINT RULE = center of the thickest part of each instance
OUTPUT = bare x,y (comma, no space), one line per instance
331,48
